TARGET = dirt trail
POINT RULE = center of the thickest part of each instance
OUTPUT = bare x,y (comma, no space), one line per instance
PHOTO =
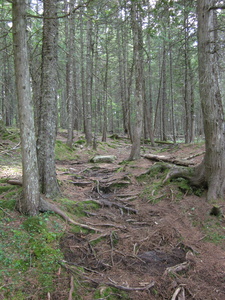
140,240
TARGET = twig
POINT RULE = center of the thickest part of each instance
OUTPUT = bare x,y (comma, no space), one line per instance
177,268
6,212
128,289
71,289
179,292
108,225
195,155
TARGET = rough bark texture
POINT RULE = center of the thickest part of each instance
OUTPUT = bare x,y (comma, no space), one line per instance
138,62
213,115
29,203
48,121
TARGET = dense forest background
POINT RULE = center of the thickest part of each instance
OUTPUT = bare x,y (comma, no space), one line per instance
95,67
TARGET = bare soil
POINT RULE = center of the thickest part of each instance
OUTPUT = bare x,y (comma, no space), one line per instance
141,239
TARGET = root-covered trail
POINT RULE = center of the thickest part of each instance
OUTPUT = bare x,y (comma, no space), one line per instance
151,240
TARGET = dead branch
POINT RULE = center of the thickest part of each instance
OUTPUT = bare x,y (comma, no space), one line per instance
180,293
195,155
129,289
15,182
81,184
173,160
5,212
71,289
175,269
109,225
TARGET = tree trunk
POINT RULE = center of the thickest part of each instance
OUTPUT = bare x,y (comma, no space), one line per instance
213,115
70,76
48,103
138,62
29,203
89,81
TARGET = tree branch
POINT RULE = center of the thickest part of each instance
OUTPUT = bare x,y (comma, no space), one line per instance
62,16
216,7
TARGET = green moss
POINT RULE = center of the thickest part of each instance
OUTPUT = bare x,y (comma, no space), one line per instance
185,187
78,208
80,142
64,152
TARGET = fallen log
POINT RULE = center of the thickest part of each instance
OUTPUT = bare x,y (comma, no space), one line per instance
169,159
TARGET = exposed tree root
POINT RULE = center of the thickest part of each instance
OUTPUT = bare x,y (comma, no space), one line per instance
195,175
47,206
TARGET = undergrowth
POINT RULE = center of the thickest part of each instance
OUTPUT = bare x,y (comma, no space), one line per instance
29,255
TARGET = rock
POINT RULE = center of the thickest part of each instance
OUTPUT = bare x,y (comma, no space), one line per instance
103,159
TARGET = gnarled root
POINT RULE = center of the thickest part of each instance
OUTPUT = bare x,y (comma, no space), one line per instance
195,175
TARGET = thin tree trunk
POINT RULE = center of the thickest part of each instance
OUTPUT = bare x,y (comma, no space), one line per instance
89,81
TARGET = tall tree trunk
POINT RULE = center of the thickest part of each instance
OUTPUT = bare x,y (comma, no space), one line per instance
89,81
164,96
70,76
29,203
138,62
213,114
105,89
48,121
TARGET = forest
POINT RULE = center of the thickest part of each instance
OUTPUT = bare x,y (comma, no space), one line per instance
112,141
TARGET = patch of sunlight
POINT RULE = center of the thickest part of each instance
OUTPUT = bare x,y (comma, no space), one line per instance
10,171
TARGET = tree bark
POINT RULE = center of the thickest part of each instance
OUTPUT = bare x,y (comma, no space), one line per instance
29,203
138,62
48,104
213,114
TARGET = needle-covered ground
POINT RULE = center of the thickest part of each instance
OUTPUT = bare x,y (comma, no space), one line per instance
139,238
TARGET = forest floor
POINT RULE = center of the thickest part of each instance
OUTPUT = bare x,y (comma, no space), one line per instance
152,240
